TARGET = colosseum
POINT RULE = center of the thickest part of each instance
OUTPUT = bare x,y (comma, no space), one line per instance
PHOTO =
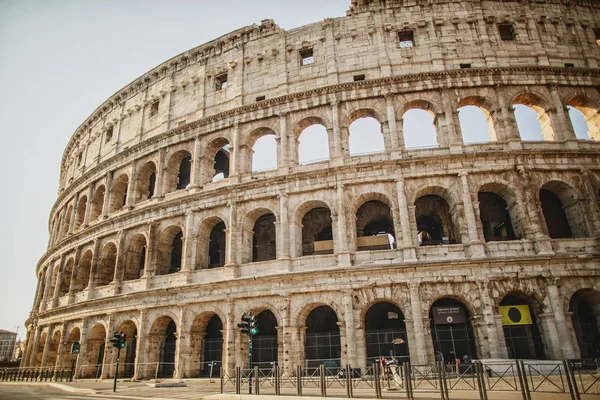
168,226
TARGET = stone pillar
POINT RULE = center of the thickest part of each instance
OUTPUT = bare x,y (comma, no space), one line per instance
93,270
476,249
418,354
73,214
551,336
60,351
107,369
229,339
188,259
285,334
181,346
338,154
284,226
592,203
150,254
454,140
47,345
130,201
159,190
564,128
235,168
196,173
82,349
48,278
32,361
88,206
350,324
566,345
106,205
489,322
506,127
142,344
120,263
285,144
232,246
342,234
500,335
58,284
391,119
408,249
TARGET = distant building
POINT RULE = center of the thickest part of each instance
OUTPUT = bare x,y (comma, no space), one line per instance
19,350
7,344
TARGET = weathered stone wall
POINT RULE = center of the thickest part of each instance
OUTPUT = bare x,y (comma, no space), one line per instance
112,233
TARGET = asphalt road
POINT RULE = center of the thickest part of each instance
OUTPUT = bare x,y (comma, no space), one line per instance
27,392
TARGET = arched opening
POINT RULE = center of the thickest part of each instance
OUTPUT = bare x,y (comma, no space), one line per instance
97,203
163,346
216,246
585,308
66,277
53,349
563,211
434,221
146,182
476,124
128,354
81,207
313,144
118,193
523,339
366,136
584,116
170,251
375,227
135,261
264,343
532,119
178,172
82,277
213,346
74,336
317,234
495,217
385,333
40,350
108,262
264,239
54,281
215,162
264,153
68,220
322,344
451,331
94,356
418,128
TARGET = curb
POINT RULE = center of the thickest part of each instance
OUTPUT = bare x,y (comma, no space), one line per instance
71,389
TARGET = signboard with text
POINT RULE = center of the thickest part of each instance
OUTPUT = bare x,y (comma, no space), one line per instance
449,315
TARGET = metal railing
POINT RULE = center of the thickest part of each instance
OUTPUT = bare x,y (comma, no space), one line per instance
36,375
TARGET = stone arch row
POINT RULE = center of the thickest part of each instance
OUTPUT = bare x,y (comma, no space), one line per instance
169,345
197,163
436,216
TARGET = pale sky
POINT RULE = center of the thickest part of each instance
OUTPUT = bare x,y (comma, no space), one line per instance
61,59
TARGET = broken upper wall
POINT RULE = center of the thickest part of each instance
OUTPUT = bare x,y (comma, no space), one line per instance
265,62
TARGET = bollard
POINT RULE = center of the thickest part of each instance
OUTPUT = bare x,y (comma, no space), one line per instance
256,381
238,380
571,381
277,381
377,381
322,379
349,391
439,376
444,380
221,374
299,379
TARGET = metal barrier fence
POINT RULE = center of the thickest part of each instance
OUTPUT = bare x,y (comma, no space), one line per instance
36,375
525,377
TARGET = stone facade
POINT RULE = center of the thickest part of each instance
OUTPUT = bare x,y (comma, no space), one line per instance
142,239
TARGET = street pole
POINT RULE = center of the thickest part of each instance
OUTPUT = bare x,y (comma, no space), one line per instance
116,370
250,364
72,367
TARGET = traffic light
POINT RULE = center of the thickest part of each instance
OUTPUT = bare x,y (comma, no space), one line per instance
249,324
118,340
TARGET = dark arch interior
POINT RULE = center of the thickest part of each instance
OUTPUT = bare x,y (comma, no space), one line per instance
495,218
434,222
585,323
167,356
213,345
374,223
185,168
452,333
322,344
221,163
554,213
176,253
216,247
316,227
523,340
263,240
264,347
385,333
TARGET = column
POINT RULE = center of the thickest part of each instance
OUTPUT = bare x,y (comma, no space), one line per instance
550,331
592,202
73,213
285,144
563,129
32,357
506,129
235,167
419,350
454,140
61,226
391,119
61,349
150,257
337,135
82,349
188,260
284,226
232,246
131,185
94,268
141,344
566,345
58,284
120,263
196,174
475,246
48,278
408,249
229,339
350,323
88,206
160,174
106,205
181,346
74,275
489,321
343,253
46,352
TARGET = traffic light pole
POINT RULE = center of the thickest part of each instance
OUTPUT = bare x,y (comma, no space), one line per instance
117,370
250,364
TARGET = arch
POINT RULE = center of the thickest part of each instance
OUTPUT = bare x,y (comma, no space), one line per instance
499,213
74,336
365,133
374,225
40,350
129,353
211,242
67,224
216,160
436,224
589,109
265,347
322,340
135,259
264,237
97,203
53,349
533,127
520,325
206,345
451,330
170,250
82,275
476,123
585,308
163,345
313,140
118,193
107,264
145,187
385,332
81,208
563,212
66,277
317,232
178,172
264,153
419,125
94,355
